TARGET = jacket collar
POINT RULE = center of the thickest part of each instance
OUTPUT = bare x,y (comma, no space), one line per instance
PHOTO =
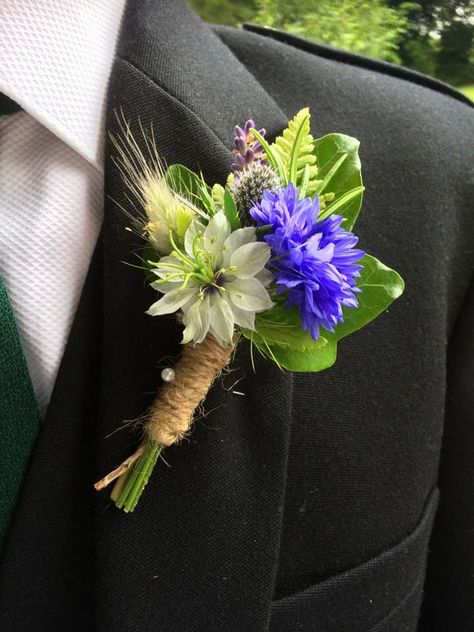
183,55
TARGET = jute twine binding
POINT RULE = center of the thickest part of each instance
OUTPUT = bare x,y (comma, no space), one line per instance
171,414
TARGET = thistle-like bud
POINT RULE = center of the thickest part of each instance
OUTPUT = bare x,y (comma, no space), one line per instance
248,188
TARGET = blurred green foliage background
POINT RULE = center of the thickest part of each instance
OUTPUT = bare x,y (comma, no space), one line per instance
435,37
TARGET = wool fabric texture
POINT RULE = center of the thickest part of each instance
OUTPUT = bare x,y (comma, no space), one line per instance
309,501
19,414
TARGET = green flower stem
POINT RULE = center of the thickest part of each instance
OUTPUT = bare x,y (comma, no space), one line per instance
130,485
119,485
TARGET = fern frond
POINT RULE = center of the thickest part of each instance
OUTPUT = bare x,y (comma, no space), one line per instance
295,148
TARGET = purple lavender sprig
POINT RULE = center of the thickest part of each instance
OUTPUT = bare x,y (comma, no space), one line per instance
247,150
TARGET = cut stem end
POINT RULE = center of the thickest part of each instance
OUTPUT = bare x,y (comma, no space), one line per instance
120,470
131,483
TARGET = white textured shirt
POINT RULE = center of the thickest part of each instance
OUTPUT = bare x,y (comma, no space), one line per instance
55,61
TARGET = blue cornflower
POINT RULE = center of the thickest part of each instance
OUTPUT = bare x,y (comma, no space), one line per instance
314,262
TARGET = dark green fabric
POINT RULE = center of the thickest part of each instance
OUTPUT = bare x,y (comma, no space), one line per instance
19,416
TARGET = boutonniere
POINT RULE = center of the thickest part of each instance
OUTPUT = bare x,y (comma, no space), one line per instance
271,257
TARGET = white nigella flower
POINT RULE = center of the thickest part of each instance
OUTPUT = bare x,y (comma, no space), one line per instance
218,281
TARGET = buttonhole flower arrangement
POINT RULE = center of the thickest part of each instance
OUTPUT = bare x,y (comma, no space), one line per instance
270,257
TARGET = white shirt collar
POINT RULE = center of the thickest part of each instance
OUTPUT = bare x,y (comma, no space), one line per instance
56,57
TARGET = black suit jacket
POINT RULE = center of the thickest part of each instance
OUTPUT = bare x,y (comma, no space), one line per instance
308,503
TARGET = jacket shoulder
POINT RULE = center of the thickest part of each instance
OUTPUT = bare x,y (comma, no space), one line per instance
353,59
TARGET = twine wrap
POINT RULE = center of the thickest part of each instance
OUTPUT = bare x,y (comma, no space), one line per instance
169,419
171,414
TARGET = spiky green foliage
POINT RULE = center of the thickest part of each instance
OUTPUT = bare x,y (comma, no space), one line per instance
295,148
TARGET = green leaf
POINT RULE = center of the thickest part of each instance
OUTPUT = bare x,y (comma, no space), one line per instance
295,148
337,157
312,360
279,335
323,184
380,286
191,187
206,196
230,210
282,326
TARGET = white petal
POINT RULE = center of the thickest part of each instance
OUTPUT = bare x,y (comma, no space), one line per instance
196,318
172,301
166,286
195,329
249,294
236,239
215,234
205,313
243,318
169,259
249,259
195,228
265,277
222,319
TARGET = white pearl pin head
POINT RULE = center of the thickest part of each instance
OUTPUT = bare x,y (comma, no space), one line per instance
168,374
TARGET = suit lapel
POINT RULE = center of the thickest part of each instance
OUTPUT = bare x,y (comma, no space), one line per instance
206,533
207,529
